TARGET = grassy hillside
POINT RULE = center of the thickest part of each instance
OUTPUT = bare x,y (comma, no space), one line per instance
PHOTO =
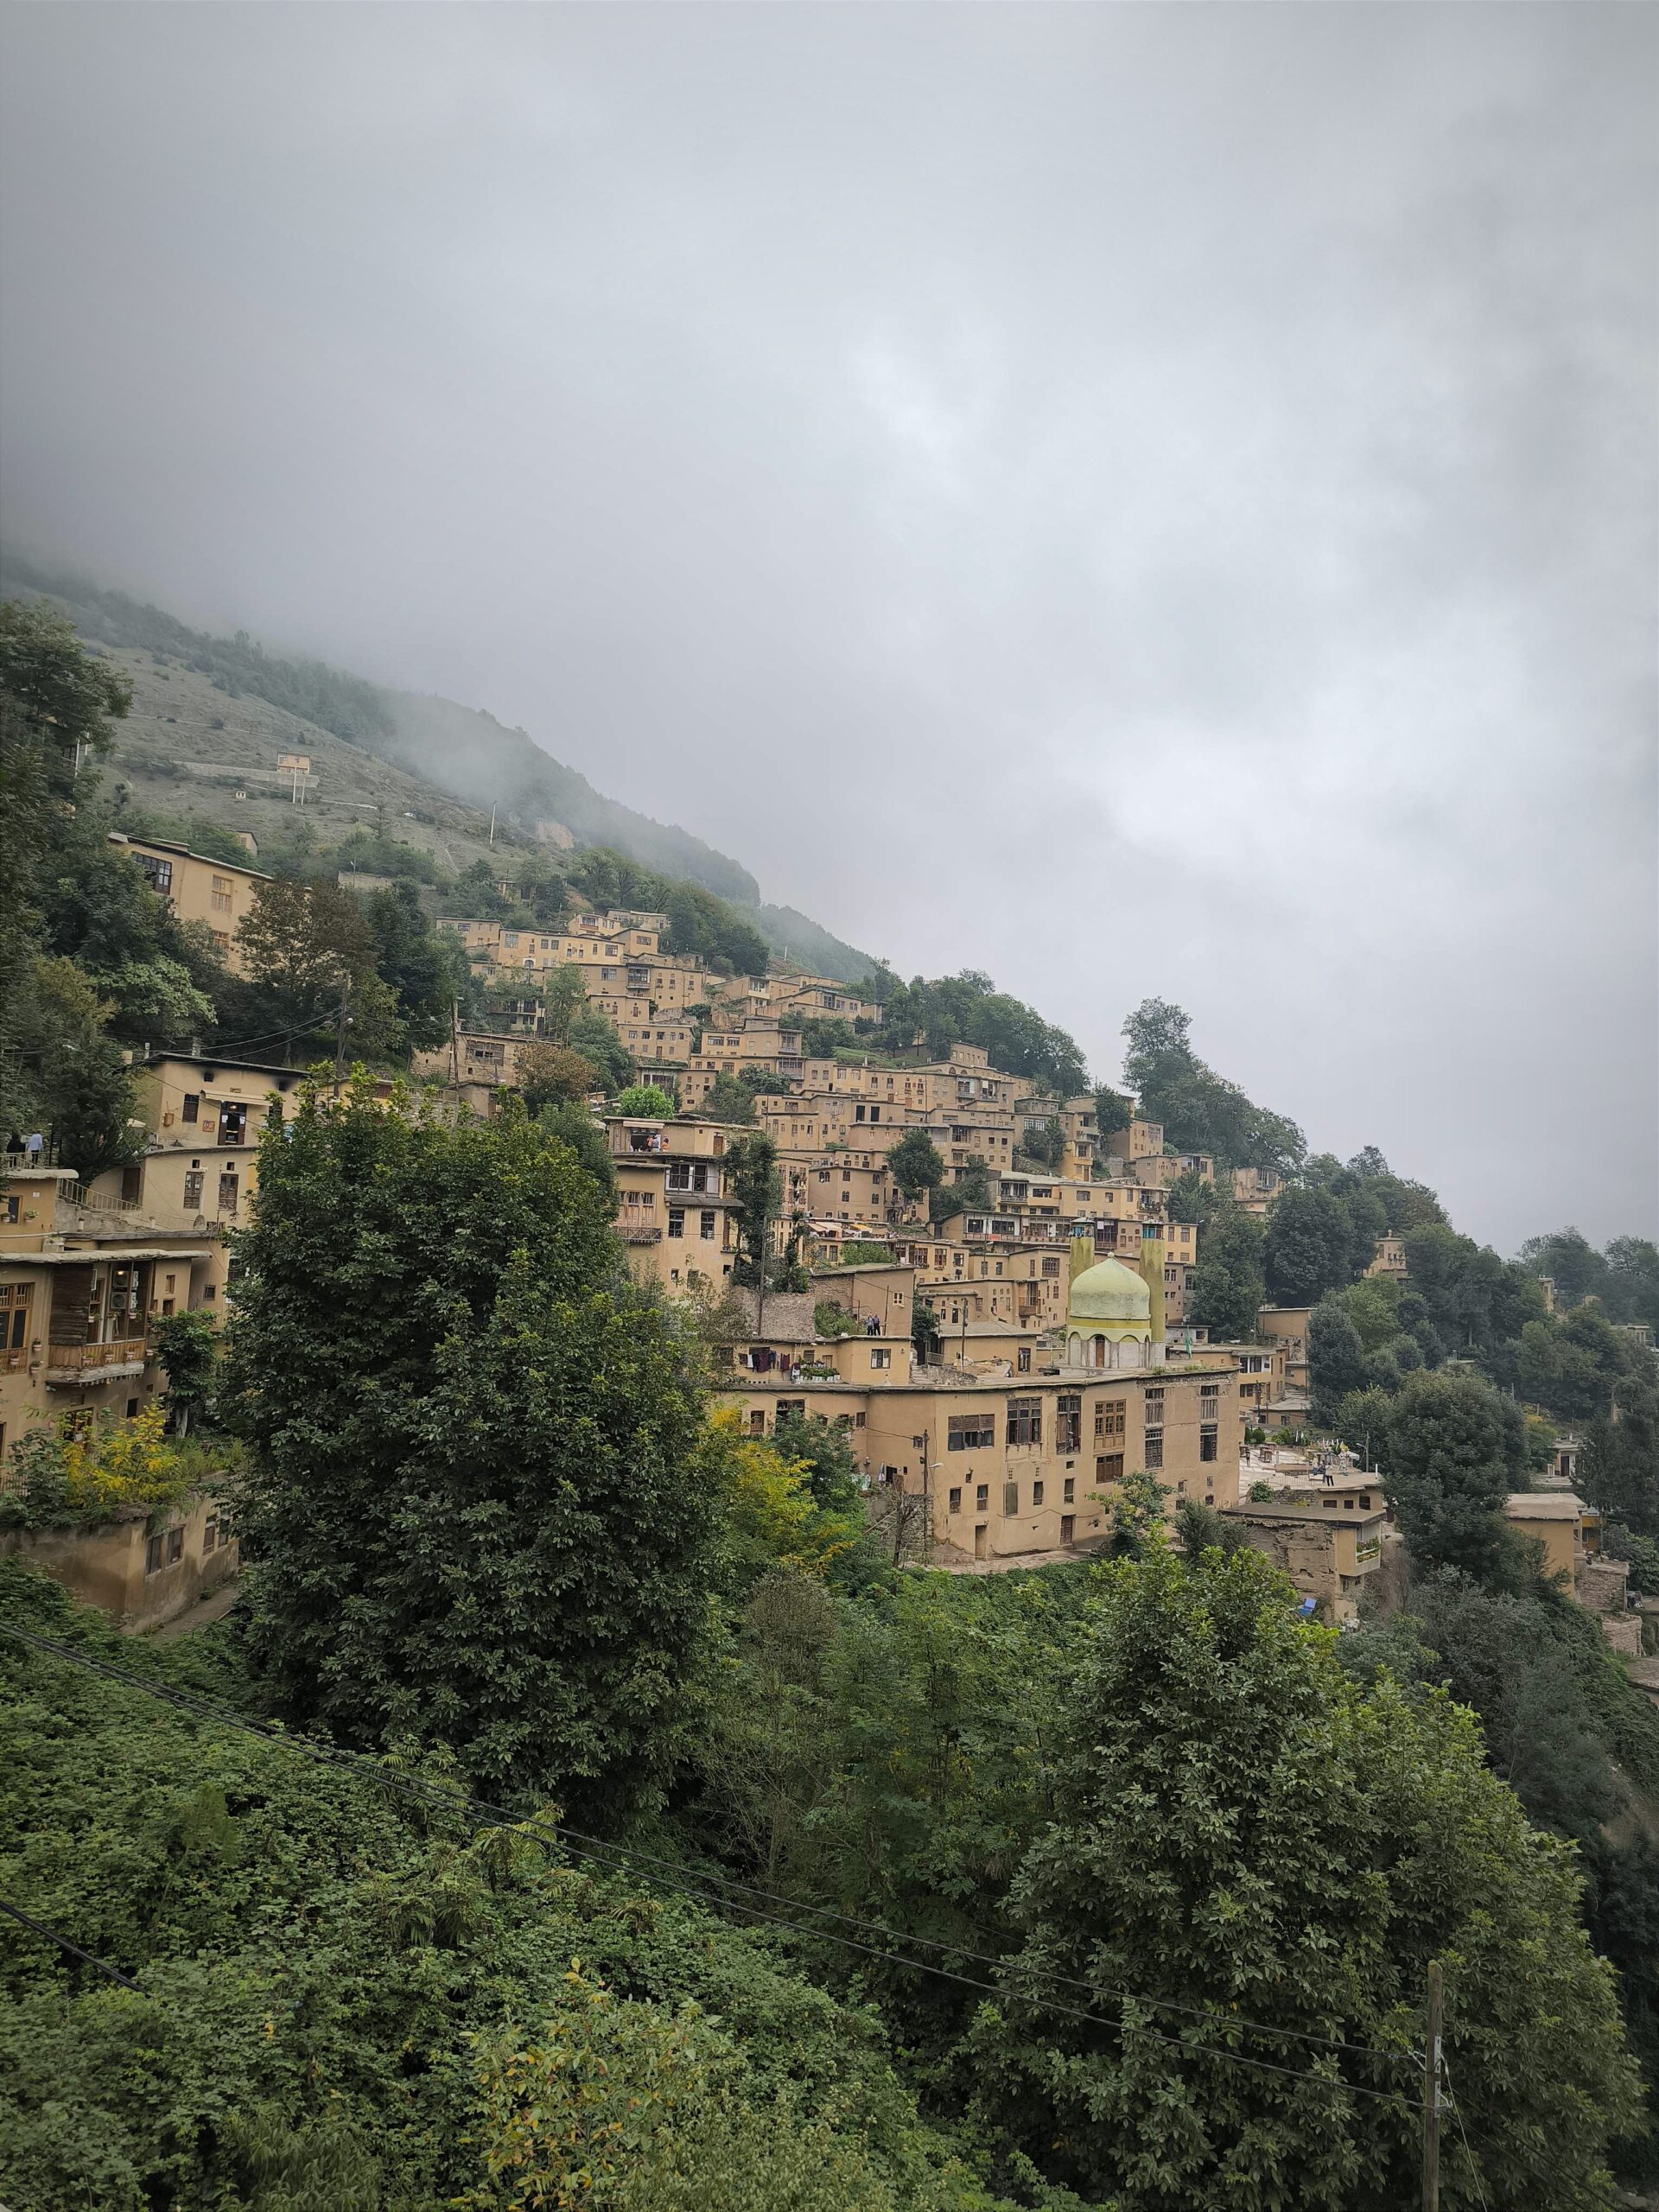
424,768
179,750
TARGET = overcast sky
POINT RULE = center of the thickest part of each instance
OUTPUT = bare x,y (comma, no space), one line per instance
1135,499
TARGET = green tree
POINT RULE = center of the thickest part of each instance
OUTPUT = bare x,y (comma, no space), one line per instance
55,700
1336,1358
188,1343
730,1098
970,1192
1200,1110
571,1123
310,947
926,1336
1228,1285
423,970
1239,1832
564,995
1456,1450
469,1438
1570,1260
644,1100
915,1164
74,1083
59,696
547,1073
827,1452
751,1178
1362,1422
1619,1473
1308,1249
594,1036
1190,1198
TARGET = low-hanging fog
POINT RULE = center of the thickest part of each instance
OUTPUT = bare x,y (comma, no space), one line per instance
1137,500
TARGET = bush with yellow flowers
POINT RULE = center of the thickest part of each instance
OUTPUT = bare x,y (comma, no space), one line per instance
57,1480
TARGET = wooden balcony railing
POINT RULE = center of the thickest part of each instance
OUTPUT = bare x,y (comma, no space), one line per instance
78,1359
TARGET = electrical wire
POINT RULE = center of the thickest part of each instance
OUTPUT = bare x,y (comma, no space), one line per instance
616,1860
1474,2163
63,1944
629,1857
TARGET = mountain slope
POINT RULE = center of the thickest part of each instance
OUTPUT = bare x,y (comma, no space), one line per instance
231,705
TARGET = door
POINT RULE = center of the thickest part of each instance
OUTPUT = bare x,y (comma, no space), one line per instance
981,1534
1068,1528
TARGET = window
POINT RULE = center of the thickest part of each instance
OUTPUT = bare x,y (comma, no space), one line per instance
956,1501
1109,1467
882,1357
193,1182
174,1546
1022,1359
1109,1418
1154,1408
1036,1493
970,1432
210,1534
9,1205
982,1498
159,872
228,1189
1069,1489
1051,1267
1025,1420
191,1107
1068,1423
1207,1441
1155,1449
14,1321
706,1226
221,895
675,1222
153,1556
1010,1500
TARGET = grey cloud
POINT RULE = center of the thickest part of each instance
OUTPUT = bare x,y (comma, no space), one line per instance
1129,498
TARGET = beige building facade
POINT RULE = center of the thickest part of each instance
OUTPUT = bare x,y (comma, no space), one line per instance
218,894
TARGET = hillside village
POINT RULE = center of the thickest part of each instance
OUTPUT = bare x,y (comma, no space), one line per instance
959,1330
924,1336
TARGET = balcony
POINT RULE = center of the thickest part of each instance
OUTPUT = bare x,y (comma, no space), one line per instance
643,1234
71,1366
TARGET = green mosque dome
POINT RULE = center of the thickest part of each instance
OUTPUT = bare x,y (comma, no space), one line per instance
1110,1292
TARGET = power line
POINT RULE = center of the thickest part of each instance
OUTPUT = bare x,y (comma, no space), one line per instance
1456,2107
618,1859
631,1858
40,1927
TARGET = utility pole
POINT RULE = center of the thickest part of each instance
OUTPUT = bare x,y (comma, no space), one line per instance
339,1032
1432,2093
454,1041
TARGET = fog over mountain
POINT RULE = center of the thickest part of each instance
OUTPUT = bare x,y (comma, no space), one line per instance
1132,499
